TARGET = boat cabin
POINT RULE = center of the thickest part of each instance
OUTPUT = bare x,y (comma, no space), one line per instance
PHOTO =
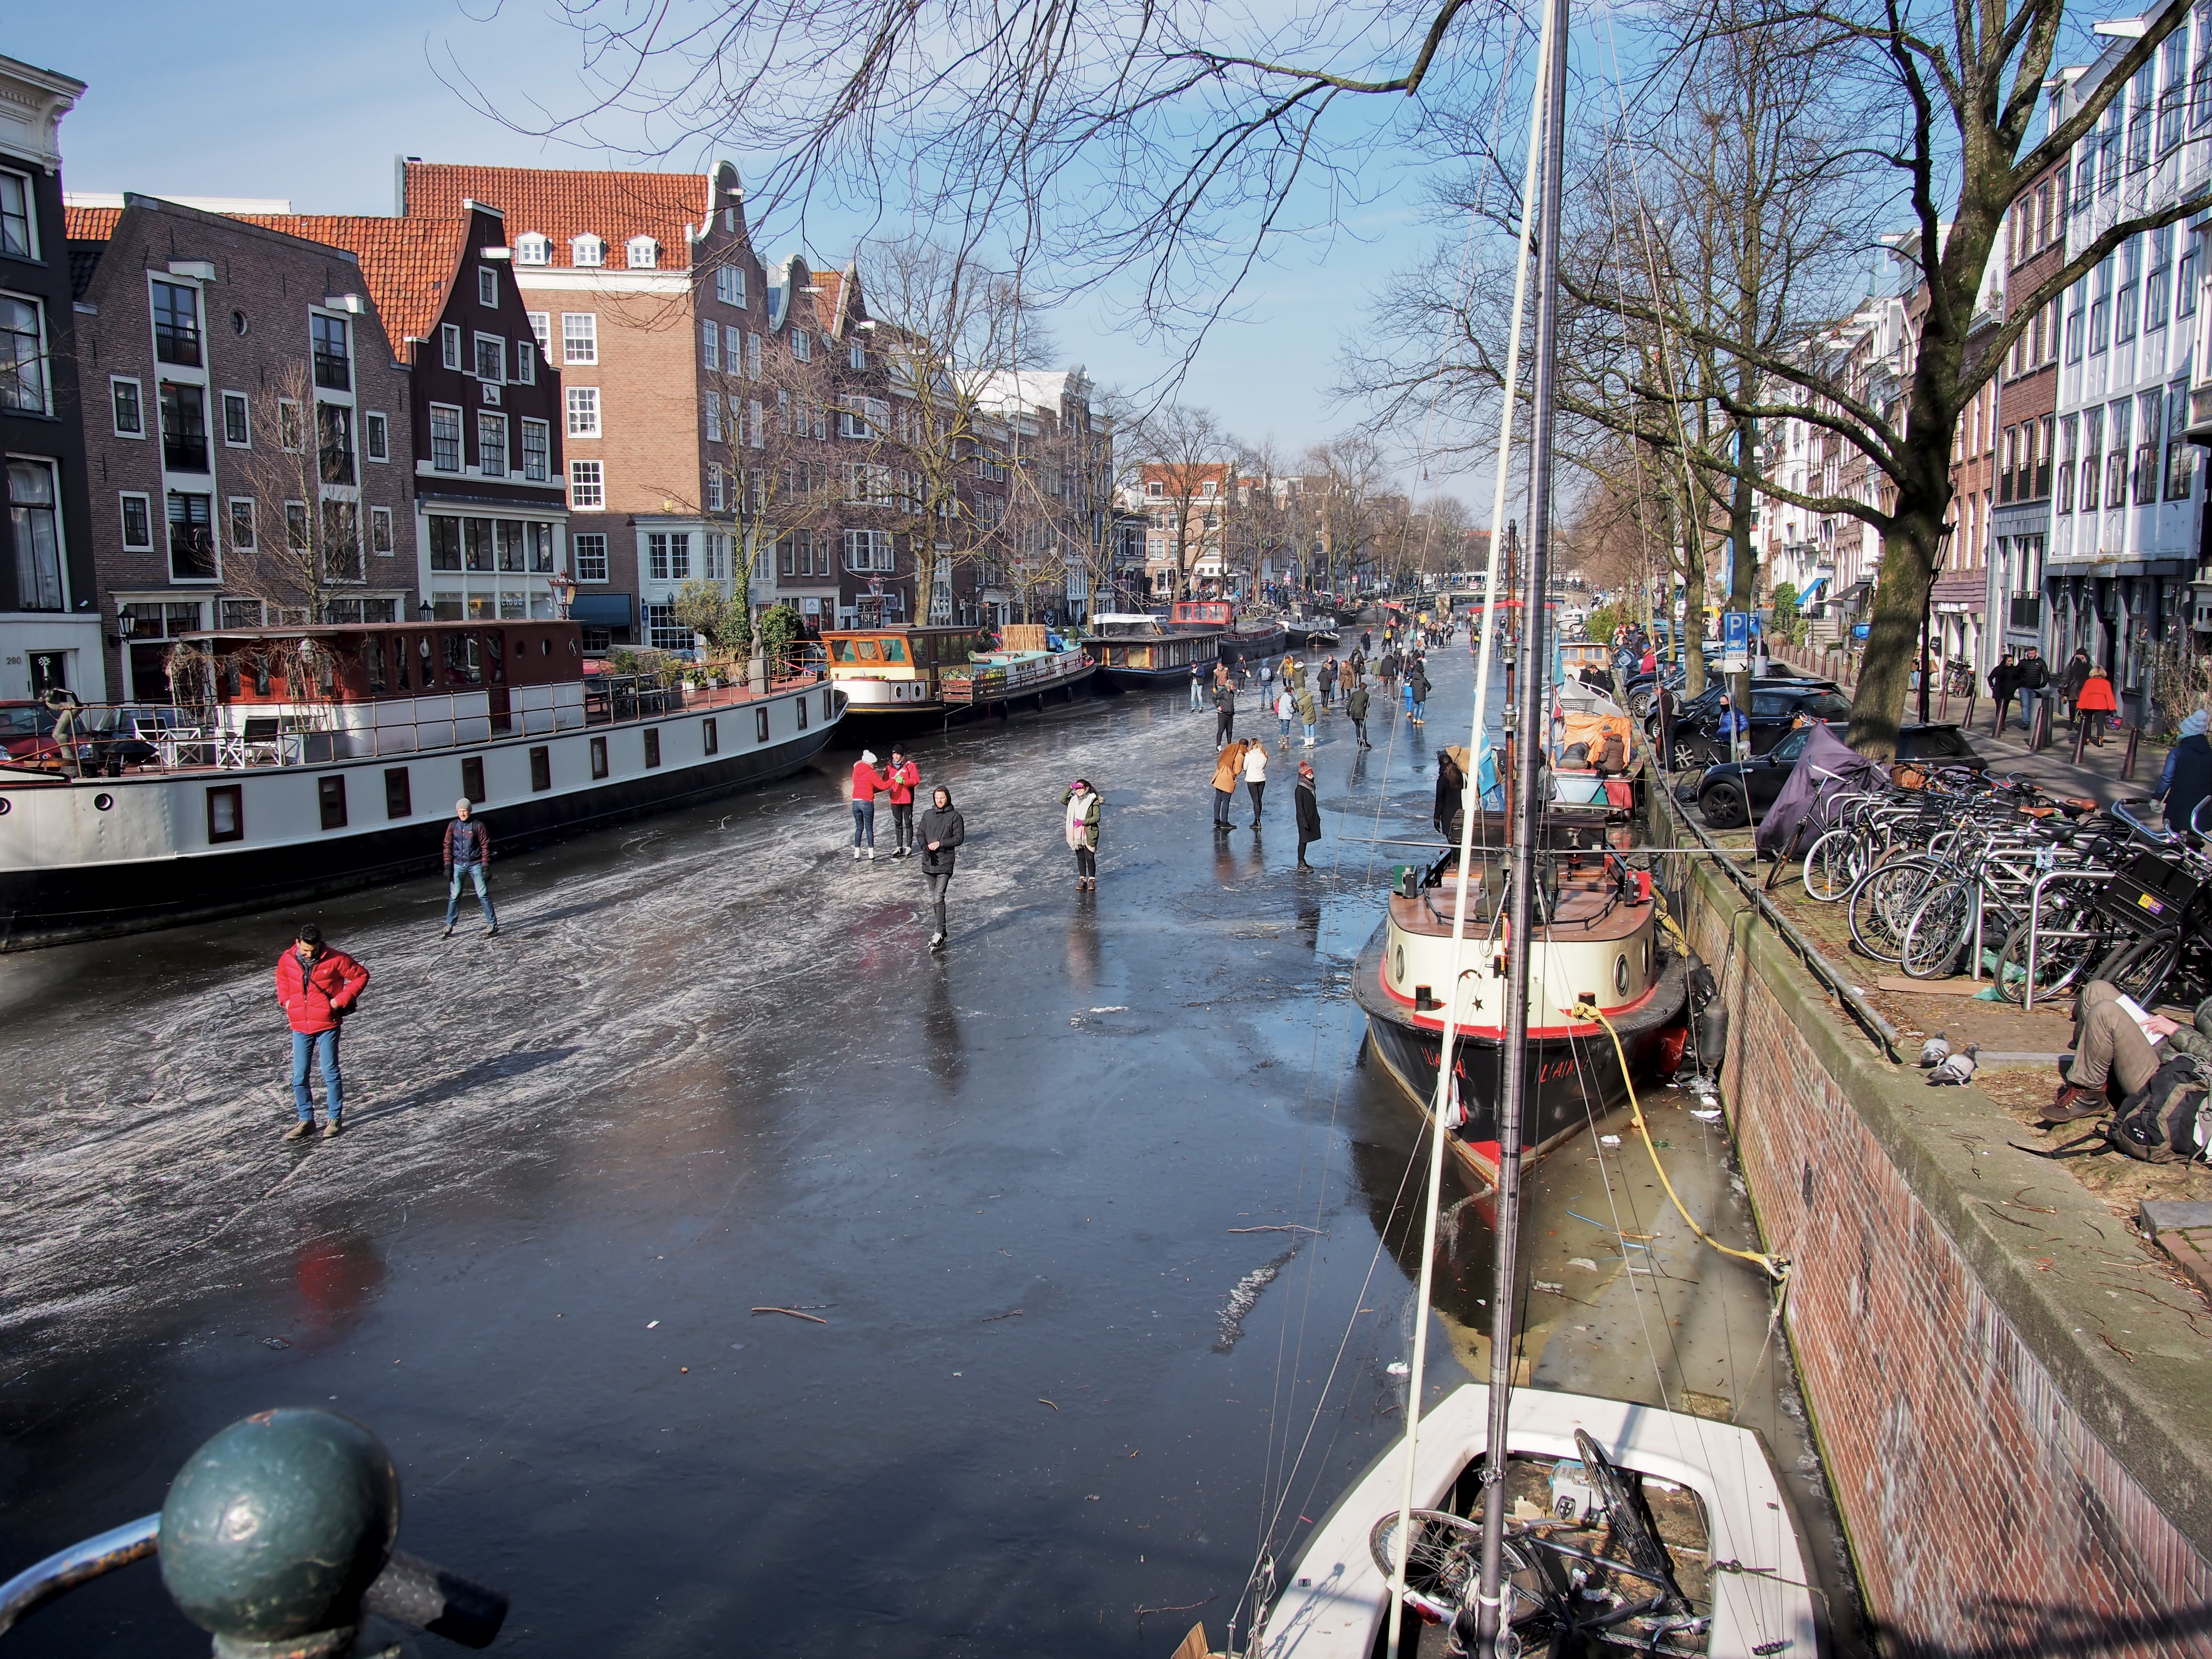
331,691
1202,613
903,652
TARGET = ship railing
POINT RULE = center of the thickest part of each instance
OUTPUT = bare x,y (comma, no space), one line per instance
117,739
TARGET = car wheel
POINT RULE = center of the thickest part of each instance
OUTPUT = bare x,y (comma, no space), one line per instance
1722,807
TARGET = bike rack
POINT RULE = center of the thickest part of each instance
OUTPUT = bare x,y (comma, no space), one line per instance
2035,933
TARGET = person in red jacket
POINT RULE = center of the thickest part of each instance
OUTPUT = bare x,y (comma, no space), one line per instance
905,777
317,987
2096,705
867,784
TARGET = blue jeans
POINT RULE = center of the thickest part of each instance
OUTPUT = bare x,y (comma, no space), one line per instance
1286,728
1310,732
323,1045
453,893
1420,710
2027,697
864,823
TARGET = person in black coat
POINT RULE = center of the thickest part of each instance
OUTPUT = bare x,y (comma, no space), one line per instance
2004,680
1308,811
2186,778
940,829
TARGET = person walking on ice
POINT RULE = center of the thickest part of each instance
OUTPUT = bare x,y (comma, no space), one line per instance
1080,804
317,987
940,829
468,849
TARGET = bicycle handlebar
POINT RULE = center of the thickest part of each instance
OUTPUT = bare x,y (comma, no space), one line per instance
2156,837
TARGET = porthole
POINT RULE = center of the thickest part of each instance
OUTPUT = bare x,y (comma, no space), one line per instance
1398,965
6,806
104,801
545,647
1621,973
576,649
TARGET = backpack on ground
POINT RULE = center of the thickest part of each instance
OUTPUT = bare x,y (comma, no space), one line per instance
2169,1117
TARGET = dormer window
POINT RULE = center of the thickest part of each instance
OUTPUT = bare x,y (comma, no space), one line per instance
1207,489
533,249
587,250
644,252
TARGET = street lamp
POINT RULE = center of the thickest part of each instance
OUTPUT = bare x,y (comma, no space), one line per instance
564,592
426,611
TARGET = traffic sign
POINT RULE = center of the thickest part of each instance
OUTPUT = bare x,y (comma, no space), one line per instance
1736,642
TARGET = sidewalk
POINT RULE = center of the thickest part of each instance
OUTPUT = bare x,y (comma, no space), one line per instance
2098,778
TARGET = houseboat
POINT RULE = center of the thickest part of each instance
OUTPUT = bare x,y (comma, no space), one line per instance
1244,639
1600,935
303,761
901,679
1133,650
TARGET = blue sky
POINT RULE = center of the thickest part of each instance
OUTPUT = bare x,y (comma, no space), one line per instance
310,101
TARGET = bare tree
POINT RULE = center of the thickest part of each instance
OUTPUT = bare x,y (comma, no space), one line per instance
1192,460
292,547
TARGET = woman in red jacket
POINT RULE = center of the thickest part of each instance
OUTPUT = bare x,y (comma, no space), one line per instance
317,987
2097,705
867,784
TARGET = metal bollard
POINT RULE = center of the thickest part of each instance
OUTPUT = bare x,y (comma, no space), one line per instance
2127,761
2080,735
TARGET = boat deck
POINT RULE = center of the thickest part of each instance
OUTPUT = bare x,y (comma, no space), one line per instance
1589,909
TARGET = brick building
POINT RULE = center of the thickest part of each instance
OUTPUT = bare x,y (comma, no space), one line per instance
2035,248
50,616
1057,559
1183,507
643,290
490,498
247,433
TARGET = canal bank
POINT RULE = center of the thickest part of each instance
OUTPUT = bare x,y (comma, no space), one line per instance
2010,1398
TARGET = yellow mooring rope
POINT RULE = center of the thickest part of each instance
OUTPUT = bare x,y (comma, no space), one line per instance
1775,1268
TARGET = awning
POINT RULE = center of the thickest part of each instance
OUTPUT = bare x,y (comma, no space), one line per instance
1812,588
600,610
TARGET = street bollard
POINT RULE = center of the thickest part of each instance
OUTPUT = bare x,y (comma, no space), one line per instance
278,1538
2080,733
2128,760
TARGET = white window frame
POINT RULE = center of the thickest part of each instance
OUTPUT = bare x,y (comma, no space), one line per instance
590,562
488,288
137,391
757,423
123,519
46,362
449,343
856,355
31,212
289,412
580,338
477,358
492,421
376,435
587,251
531,248
380,541
753,356
710,346
252,538
245,407
802,346
587,486
583,407
713,407
460,439
541,323
543,431
525,363
641,253
714,488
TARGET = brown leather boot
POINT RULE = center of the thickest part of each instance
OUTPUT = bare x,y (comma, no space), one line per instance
2073,1102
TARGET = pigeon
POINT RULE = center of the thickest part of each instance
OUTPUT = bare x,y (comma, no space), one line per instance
1934,1052
1955,1069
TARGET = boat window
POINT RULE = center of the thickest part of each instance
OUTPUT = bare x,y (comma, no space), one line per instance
399,662
374,657
841,651
495,653
867,650
894,650
463,666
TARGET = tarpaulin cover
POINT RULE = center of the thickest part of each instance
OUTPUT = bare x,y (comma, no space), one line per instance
1573,726
1828,769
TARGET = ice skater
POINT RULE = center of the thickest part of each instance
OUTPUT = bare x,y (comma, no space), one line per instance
317,987
867,784
1081,804
941,829
905,776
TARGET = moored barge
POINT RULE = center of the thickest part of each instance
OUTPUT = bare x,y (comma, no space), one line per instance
309,760
1133,651
900,679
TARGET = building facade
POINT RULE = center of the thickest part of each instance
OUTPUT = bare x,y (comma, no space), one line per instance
246,436
2126,499
51,622
2027,402
1056,556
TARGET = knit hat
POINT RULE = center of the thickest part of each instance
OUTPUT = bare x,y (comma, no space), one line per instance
867,756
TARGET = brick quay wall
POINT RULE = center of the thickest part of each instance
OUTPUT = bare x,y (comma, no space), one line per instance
2015,1414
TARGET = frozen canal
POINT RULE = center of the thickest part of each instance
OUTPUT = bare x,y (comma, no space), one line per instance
1094,1207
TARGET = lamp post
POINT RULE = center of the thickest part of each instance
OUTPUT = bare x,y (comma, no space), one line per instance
1927,613
426,611
564,592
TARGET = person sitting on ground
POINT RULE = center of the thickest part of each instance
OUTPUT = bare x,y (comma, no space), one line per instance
2110,1045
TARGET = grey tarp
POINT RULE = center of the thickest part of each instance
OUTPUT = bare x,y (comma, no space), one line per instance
1828,767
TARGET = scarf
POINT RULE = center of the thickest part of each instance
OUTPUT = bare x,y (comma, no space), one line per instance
1078,807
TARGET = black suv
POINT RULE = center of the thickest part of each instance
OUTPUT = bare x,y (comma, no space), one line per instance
1719,791
1776,708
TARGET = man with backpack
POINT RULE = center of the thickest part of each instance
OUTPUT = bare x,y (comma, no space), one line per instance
468,849
317,987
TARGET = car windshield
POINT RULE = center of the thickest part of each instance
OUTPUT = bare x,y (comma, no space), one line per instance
25,720
1790,747
1827,706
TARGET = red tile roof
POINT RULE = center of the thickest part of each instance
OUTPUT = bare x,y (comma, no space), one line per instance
406,262
561,203
90,224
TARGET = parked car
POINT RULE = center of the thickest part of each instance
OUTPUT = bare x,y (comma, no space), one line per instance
1719,790
107,737
1776,708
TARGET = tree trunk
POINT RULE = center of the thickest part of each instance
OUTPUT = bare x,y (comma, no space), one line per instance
1693,619
1908,571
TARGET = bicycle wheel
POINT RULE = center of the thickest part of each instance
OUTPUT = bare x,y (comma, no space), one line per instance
1446,1566
2141,969
1833,865
1942,924
2058,961
1884,902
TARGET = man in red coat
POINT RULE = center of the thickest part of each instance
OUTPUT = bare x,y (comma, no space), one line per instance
317,987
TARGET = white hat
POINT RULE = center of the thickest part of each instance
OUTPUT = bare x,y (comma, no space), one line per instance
868,756
462,805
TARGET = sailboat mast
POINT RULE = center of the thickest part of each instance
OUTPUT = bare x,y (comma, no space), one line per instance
1527,824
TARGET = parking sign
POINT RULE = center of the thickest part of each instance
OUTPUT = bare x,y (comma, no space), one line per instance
1736,642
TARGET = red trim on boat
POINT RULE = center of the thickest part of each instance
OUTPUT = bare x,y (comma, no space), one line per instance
1428,1022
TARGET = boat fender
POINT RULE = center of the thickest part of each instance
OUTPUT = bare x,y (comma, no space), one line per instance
1712,1038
